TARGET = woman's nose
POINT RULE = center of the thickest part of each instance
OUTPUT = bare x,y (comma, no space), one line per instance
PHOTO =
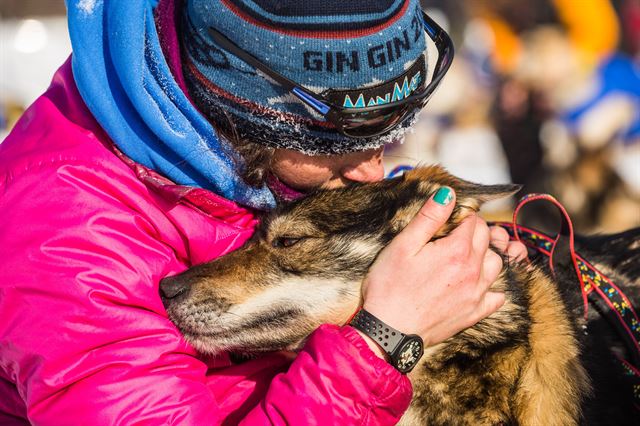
364,166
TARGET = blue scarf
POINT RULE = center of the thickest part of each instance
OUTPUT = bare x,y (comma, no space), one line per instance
122,75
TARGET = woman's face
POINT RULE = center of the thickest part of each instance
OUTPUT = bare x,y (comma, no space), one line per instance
305,172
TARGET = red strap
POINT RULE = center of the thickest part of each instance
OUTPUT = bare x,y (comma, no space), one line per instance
567,221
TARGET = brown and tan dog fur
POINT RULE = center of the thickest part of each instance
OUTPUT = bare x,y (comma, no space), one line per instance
304,267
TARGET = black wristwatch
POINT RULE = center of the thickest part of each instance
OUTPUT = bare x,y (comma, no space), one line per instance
404,350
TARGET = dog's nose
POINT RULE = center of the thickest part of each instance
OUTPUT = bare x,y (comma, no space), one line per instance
172,287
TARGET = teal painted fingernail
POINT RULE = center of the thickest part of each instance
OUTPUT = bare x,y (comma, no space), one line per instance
443,196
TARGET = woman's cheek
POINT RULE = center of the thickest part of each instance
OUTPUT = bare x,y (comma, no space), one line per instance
302,176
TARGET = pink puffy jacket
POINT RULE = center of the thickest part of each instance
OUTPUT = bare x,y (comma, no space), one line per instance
85,237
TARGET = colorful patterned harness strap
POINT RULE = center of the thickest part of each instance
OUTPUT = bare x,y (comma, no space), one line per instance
596,287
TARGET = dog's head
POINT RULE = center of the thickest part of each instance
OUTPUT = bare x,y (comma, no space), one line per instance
305,264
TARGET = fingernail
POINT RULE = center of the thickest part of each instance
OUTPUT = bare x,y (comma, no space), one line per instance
443,196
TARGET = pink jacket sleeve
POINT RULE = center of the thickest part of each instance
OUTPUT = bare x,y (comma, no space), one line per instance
335,380
84,336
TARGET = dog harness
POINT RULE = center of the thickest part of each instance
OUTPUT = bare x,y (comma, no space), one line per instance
597,289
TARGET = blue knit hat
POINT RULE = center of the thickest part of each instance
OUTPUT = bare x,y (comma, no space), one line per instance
368,52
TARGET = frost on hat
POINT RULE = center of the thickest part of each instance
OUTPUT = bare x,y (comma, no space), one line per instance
359,48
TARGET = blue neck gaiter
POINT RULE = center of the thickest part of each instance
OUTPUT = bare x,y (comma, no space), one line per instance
121,73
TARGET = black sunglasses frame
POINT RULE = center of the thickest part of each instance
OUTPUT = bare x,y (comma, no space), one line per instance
340,116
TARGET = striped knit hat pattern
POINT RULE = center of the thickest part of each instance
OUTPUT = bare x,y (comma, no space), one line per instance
367,52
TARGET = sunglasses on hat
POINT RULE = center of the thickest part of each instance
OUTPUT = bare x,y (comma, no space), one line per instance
359,122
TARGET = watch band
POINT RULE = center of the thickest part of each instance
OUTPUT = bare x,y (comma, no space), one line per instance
384,335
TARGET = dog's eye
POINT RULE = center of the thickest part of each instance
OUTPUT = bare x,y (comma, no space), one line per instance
284,242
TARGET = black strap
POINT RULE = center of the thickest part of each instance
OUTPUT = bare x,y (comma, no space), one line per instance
384,335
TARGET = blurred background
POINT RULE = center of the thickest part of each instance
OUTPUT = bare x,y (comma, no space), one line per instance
544,93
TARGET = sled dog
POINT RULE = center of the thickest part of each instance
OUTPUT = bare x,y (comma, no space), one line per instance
530,363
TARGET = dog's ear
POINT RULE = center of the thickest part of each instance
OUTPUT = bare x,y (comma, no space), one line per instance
474,195
469,196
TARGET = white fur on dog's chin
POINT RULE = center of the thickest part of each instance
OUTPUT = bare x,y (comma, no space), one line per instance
291,291
341,295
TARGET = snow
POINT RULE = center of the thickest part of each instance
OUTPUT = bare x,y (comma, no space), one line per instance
87,6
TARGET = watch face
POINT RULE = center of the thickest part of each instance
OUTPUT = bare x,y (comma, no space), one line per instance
409,355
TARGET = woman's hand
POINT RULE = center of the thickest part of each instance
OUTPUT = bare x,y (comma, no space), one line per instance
437,288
